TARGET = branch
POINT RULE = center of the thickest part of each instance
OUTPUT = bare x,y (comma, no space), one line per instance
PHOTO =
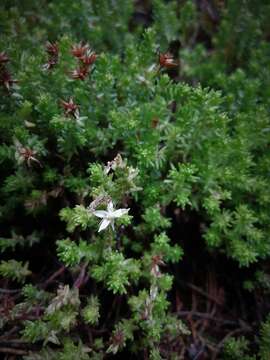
54,275
7,350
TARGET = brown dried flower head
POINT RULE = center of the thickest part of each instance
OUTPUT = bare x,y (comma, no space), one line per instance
79,50
166,60
70,108
52,48
117,341
50,64
27,155
89,57
157,260
80,73
3,58
6,79
53,55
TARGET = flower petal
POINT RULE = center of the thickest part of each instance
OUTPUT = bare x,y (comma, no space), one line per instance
104,223
110,207
120,212
100,213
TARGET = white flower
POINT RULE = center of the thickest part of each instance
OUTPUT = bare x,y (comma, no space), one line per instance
109,216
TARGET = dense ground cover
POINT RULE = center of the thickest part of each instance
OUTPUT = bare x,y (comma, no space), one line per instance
134,179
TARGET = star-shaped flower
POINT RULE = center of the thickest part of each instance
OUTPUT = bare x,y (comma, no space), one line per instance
109,216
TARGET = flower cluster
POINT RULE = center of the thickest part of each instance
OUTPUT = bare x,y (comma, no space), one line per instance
86,58
156,262
166,60
25,154
70,108
53,55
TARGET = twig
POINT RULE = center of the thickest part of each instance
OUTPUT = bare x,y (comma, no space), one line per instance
54,275
208,317
199,354
99,331
207,343
109,314
13,341
27,317
7,350
201,292
81,278
9,291
10,332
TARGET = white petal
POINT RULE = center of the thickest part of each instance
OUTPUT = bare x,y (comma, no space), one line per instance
112,224
100,213
120,212
104,223
110,207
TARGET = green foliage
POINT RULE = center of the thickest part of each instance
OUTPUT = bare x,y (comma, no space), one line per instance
261,281
154,220
123,331
38,330
91,311
69,352
265,340
161,246
34,296
60,316
236,349
163,144
79,216
116,271
18,240
71,254
166,21
14,270
181,181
